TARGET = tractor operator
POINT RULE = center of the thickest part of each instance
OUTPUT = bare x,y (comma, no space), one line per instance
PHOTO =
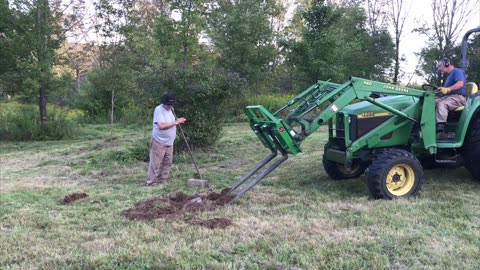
453,91
161,144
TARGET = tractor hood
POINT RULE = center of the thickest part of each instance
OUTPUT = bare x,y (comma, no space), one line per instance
366,109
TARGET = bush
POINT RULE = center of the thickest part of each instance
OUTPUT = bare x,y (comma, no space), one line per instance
204,95
271,102
21,122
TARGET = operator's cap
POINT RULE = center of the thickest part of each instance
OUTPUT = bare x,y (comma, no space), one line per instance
169,99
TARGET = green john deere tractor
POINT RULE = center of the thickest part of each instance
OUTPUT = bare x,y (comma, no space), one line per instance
392,136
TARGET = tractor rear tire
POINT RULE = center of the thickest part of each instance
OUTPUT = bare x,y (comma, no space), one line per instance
471,150
394,173
338,172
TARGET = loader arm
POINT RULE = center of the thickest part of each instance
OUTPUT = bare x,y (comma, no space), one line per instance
318,105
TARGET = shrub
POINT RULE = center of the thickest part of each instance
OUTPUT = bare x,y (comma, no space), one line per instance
271,102
204,95
74,115
20,122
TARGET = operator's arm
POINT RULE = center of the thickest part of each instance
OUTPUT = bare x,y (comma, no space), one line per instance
458,85
165,125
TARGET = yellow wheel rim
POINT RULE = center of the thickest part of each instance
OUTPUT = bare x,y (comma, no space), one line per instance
400,179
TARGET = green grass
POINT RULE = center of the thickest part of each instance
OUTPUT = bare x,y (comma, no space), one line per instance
297,218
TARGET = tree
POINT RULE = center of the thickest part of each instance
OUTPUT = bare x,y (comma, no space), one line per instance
78,51
41,33
277,12
450,17
336,45
240,31
377,15
398,14
189,26
380,51
8,76
105,84
146,12
473,71
36,30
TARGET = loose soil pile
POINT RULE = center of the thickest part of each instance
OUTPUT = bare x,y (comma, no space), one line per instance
179,205
74,197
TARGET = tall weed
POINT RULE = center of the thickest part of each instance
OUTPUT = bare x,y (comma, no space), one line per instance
21,122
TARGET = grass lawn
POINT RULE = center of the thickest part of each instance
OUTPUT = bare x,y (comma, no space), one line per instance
296,218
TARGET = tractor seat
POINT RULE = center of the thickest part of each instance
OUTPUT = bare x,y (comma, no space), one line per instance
471,88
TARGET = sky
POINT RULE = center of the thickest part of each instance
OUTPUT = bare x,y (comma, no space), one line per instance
412,43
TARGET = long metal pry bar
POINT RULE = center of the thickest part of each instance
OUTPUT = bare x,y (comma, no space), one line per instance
257,167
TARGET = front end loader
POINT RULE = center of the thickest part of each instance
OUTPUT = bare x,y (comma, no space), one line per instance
384,129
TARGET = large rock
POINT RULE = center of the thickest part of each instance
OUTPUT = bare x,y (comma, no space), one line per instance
198,183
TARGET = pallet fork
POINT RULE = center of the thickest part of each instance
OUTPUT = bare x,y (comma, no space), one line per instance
260,165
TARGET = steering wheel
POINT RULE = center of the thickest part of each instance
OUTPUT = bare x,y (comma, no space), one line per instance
427,87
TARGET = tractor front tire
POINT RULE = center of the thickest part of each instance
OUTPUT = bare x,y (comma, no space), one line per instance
394,173
338,171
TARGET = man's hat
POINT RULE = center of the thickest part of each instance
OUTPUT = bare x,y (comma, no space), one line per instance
168,99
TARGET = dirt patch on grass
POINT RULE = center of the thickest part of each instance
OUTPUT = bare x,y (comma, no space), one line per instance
74,197
179,205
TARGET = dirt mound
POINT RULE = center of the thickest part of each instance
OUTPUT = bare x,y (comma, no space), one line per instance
74,197
212,223
179,205
220,198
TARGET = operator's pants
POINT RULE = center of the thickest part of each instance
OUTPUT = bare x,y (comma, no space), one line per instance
447,103
161,159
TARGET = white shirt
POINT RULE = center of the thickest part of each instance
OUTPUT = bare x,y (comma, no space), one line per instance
163,136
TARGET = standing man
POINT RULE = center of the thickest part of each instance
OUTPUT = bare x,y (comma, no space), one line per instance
453,94
161,144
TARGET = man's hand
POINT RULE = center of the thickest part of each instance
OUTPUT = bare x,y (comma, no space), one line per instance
444,90
180,120
163,125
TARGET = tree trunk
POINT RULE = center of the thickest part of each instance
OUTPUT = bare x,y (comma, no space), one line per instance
397,61
77,79
185,41
112,114
42,102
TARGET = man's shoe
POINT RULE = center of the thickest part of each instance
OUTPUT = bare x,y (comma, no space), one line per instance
443,136
446,156
440,127
150,184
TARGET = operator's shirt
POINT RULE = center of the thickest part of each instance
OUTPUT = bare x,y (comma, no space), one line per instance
453,77
163,136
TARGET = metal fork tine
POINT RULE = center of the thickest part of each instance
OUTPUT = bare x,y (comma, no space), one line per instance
260,177
254,170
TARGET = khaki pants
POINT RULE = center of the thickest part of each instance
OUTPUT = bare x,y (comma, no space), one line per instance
447,103
161,159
